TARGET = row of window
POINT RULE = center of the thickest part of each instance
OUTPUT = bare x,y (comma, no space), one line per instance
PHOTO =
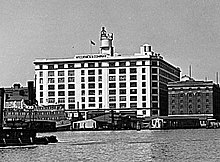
190,101
60,73
190,94
90,65
60,86
190,106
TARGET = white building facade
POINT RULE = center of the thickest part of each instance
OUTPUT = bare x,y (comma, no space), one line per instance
107,80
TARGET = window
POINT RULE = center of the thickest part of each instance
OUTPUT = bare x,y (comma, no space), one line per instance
100,85
133,84
82,72
71,93
91,99
122,105
50,73
122,63
51,87
100,64
61,86
41,87
100,92
122,98
133,77
143,91
143,63
122,85
60,66
133,105
133,98
122,71
71,99
112,71
71,79
100,99
133,91
41,73
41,100
41,94
91,85
91,92
100,78
112,92
82,79
91,79
70,66
83,92
112,98
61,100
154,63
51,93
122,91
100,71
143,98
50,67
60,73
132,63
154,84
91,65
143,77
122,78
51,100
112,78
83,99
91,72
61,93
154,70
154,98
154,91
71,86
111,64
143,70
82,65
207,94
71,106
83,86
207,100
154,77
71,73
60,80
112,105
112,85
133,70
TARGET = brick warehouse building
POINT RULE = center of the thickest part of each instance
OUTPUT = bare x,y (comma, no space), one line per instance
107,80
194,98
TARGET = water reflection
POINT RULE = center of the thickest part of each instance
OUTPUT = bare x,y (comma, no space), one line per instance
169,145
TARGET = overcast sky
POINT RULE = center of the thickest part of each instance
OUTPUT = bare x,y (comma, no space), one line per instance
184,32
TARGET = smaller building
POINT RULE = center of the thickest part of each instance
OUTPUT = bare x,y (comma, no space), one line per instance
89,124
194,98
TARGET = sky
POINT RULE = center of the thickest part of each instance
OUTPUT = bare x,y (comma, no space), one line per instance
184,32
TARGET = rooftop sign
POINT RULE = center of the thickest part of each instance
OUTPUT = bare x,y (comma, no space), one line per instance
89,56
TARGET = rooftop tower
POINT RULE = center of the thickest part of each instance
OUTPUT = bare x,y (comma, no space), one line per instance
106,43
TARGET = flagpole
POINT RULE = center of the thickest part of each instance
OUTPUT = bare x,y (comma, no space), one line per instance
90,47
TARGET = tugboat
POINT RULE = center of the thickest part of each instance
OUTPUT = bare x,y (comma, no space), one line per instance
22,136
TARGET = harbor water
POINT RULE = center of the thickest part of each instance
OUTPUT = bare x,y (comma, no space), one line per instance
145,145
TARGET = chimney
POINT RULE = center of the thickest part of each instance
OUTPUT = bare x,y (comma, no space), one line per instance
31,95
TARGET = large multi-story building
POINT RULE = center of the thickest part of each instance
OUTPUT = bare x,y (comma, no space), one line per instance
194,98
107,80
